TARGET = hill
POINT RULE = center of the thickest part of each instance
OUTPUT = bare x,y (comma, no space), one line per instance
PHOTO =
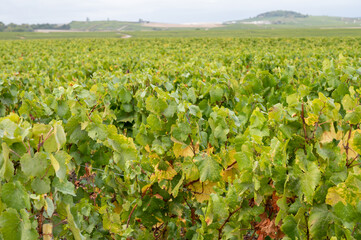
291,19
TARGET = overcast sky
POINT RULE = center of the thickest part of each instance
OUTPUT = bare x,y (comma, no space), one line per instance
169,11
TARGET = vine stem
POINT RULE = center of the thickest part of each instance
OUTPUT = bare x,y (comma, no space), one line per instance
15,153
317,123
304,122
348,165
307,229
41,143
193,215
192,182
348,144
131,213
226,221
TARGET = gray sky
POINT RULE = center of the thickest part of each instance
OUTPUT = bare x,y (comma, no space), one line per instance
169,11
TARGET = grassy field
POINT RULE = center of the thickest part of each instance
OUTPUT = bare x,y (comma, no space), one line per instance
243,33
106,26
283,22
250,33
52,35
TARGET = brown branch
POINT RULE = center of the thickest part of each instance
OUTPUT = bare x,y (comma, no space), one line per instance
348,144
40,222
61,222
193,147
317,123
354,229
39,144
92,110
226,221
307,229
51,132
348,165
27,147
304,122
46,172
131,213
76,97
192,182
15,153
234,163
193,214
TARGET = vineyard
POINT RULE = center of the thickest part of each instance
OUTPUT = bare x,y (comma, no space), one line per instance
197,138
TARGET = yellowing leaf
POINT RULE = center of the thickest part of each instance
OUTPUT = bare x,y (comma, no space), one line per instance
329,136
168,174
118,208
311,119
343,143
181,150
355,141
203,190
146,187
147,148
333,196
55,163
348,192
230,173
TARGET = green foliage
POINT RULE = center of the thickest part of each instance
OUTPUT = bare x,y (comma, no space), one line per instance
142,139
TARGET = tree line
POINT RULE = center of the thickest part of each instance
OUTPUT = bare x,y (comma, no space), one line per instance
12,27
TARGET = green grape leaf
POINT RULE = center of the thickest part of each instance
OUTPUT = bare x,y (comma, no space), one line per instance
74,131
192,95
244,162
72,225
7,169
97,131
290,228
216,94
319,221
209,168
15,227
59,134
49,206
41,186
34,166
170,110
346,213
348,103
124,95
65,186
14,195
221,133
353,117
155,105
309,181
195,111
59,162
181,131
154,122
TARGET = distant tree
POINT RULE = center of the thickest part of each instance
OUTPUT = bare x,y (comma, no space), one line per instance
2,26
12,27
87,19
51,26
